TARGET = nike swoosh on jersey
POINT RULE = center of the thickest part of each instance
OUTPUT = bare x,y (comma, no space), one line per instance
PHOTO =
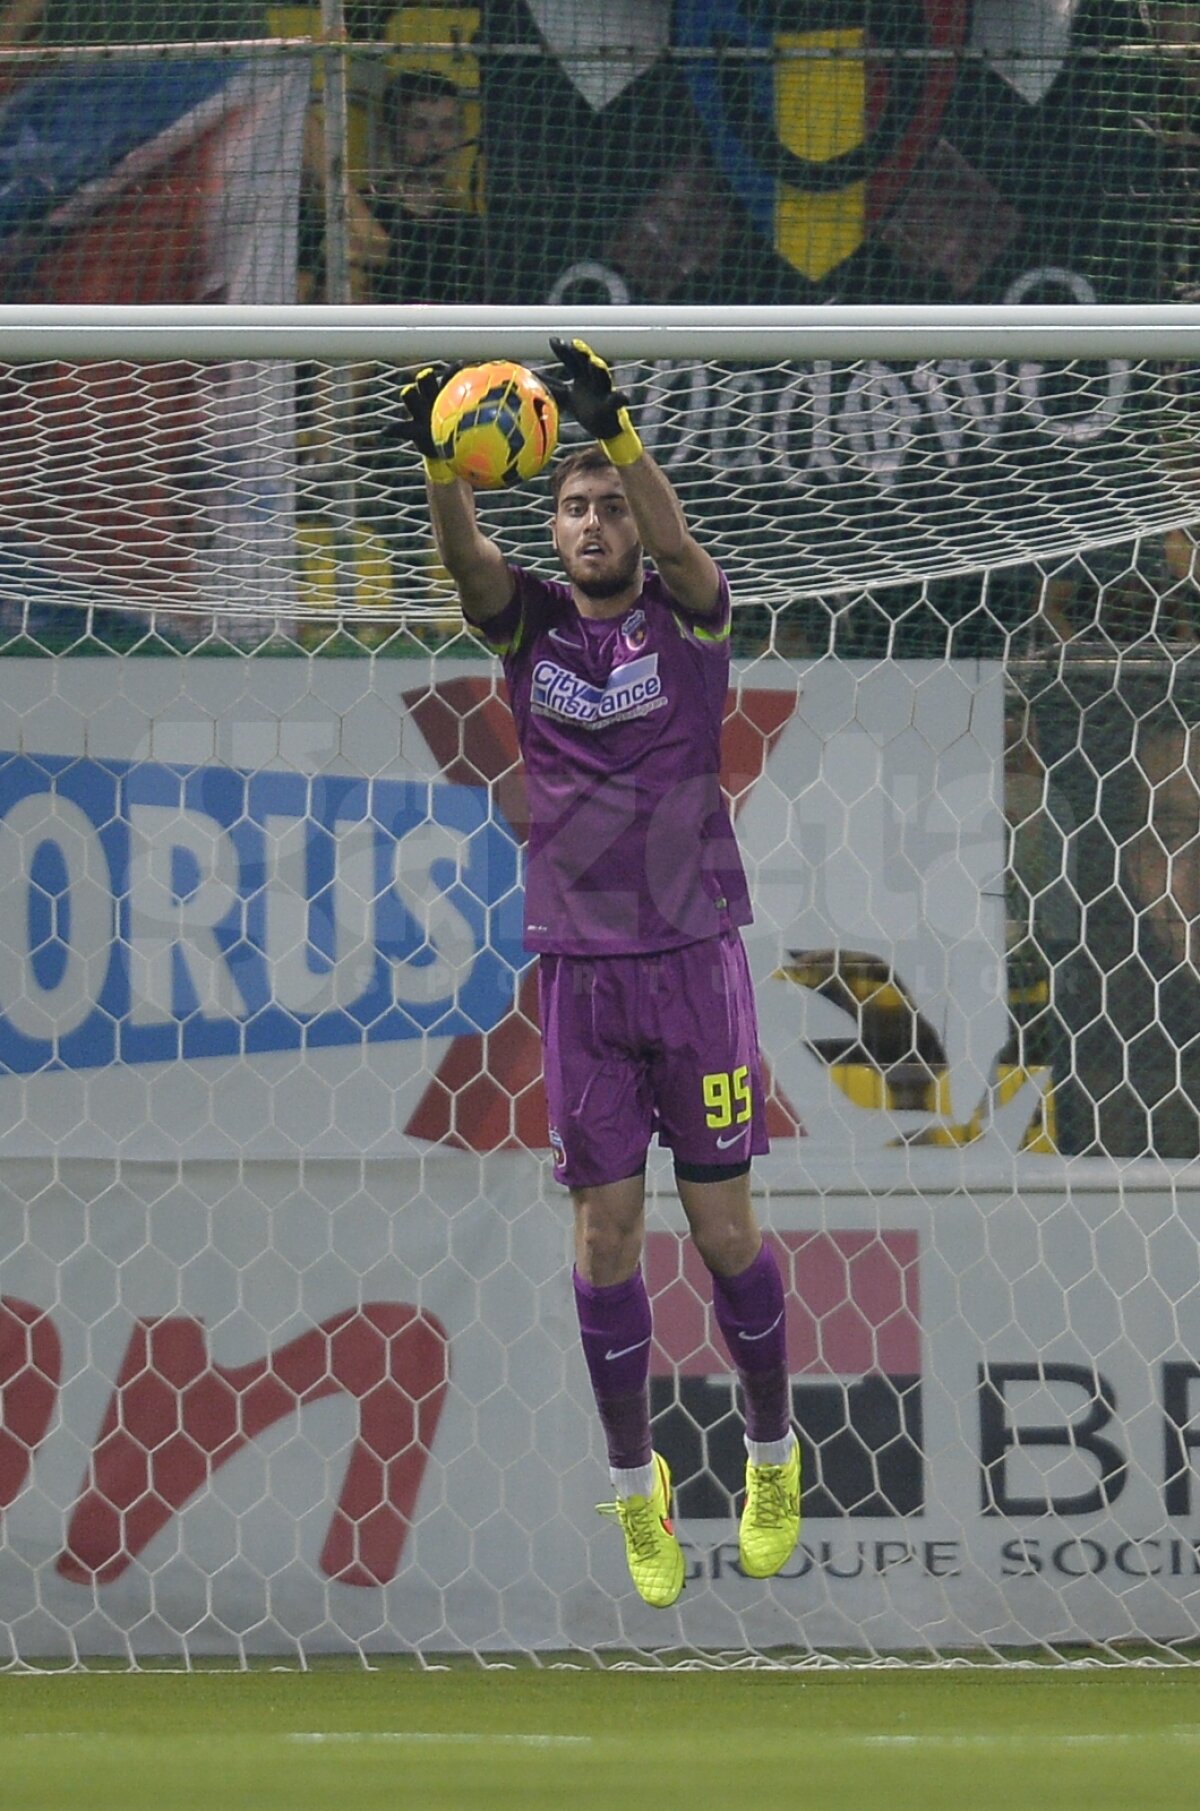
568,641
625,1350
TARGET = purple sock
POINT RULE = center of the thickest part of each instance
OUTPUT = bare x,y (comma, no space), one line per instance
614,1324
750,1313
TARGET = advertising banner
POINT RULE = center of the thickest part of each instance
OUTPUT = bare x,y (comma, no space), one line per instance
272,908
262,1407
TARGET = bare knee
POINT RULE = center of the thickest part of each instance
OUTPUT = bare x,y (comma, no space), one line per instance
727,1247
609,1231
723,1224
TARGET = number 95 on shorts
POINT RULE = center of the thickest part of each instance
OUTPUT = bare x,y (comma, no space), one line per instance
639,1044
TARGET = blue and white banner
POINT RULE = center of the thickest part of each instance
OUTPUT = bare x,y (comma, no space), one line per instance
177,913
250,906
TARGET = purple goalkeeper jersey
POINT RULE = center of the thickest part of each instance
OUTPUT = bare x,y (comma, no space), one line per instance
631,848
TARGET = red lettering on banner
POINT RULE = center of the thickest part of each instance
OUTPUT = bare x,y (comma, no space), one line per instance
175,1417
30,1368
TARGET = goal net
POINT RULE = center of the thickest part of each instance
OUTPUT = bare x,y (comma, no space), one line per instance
288,1361
272,490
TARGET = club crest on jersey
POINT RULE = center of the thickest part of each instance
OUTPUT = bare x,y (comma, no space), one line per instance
634,630
630,691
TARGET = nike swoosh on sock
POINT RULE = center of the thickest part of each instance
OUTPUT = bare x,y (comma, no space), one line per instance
765,1331
625,1350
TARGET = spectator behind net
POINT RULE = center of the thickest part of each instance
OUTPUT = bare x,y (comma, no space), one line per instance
415,240
434,244
1127,785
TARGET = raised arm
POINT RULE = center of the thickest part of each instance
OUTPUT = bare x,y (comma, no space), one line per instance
475,563
689,572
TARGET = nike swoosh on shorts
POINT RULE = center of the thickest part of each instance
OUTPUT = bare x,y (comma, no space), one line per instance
723,1144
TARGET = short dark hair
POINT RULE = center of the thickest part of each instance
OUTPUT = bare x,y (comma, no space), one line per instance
411,87
588,459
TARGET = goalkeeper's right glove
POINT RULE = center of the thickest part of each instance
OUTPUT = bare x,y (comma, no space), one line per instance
416,426
593,399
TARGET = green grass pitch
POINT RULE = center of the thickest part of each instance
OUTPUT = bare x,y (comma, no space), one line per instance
335,1739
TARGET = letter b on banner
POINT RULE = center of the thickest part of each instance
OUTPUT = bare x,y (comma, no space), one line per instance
999,1437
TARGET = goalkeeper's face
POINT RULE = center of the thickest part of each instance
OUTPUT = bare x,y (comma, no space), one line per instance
596,539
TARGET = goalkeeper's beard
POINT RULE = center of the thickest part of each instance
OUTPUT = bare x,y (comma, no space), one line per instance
597,587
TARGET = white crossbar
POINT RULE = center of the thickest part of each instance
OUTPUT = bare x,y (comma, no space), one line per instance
404,335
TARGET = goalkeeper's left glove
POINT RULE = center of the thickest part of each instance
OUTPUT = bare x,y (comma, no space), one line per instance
593,399
416,427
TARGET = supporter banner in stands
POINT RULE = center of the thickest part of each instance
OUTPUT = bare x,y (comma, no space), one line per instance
920,150
723,151
148,180
916,149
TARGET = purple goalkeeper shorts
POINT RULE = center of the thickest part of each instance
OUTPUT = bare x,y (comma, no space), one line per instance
634,1045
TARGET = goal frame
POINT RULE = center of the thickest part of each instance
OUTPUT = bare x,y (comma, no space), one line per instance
952,1379
404,333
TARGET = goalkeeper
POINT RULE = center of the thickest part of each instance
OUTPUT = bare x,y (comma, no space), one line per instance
634,894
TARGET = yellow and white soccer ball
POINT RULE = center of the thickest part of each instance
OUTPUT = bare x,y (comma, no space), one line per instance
495,424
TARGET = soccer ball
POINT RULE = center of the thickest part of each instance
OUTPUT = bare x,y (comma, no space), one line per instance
495,424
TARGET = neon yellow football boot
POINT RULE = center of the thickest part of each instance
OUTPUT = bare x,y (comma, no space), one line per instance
654,1555
770,1525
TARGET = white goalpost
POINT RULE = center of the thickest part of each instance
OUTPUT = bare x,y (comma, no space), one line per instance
288,1360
